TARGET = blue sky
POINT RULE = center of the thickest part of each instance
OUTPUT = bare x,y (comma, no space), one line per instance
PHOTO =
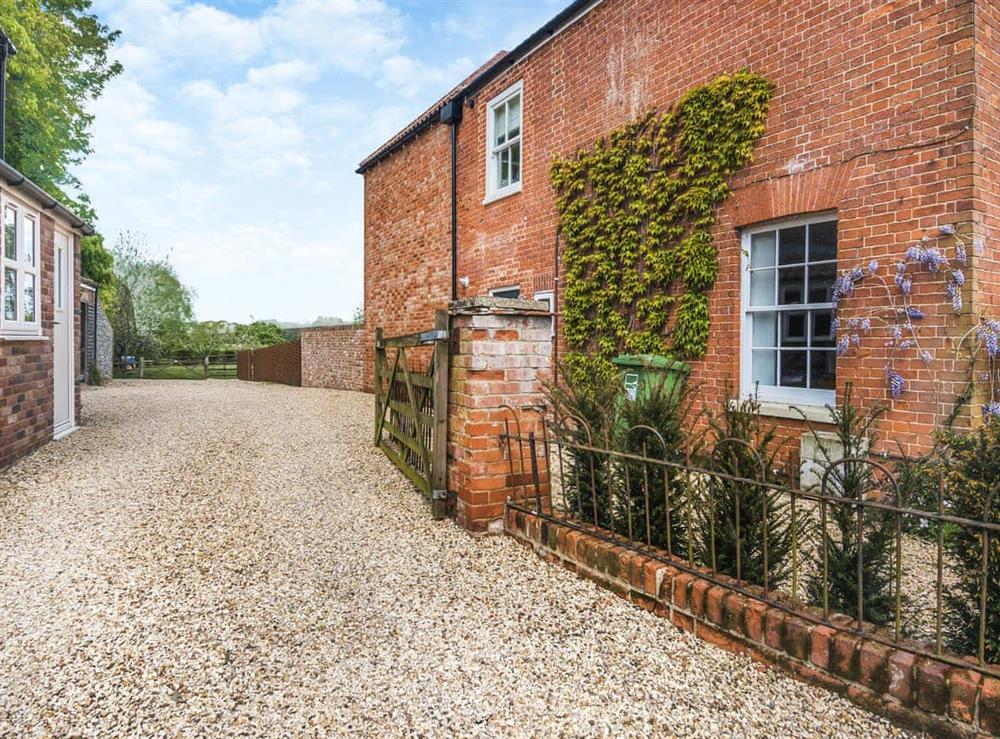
232,137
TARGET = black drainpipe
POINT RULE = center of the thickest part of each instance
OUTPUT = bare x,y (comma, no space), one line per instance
451,114
6,49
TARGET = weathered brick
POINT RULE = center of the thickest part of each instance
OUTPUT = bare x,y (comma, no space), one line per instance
821,643
963,690
796,639
932,685
753,620
844,655
873,663
902,683
989,706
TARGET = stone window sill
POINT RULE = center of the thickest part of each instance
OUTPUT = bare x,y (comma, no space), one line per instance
22,337
772,409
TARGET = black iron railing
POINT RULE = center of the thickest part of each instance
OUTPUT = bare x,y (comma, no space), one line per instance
837,540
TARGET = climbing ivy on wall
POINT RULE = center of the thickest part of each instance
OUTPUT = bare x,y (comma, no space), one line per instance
636,212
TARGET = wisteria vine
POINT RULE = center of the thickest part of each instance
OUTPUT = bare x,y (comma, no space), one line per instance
900,317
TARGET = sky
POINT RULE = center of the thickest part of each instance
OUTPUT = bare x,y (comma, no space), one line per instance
230,142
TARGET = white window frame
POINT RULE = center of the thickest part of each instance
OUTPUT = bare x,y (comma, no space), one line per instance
19,328
495,292
493,192
775,397
549,296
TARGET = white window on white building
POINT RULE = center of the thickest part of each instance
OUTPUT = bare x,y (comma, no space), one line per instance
788,351
19,290
503,143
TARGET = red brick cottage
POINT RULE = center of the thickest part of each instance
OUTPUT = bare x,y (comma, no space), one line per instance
39,316
884,126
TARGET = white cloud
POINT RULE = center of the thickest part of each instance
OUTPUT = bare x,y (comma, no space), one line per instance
134,139
348,34
194,32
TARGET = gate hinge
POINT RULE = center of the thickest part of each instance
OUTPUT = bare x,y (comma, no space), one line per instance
439,494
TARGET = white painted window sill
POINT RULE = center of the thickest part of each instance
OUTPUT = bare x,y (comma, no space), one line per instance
22,337
774,409
501,194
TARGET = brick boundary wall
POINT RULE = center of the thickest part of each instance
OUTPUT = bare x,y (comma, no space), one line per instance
280,363
333,357
916,691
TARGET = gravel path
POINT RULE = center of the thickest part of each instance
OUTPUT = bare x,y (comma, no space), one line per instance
224,558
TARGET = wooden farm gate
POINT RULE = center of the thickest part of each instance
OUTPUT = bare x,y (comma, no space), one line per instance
411,407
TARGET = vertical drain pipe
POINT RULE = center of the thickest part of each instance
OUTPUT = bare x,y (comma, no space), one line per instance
451,114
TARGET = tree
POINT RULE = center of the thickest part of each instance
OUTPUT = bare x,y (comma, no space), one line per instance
257,334
62,64
151,308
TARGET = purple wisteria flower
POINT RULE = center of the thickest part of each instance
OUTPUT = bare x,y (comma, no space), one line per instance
978,245
843,345
915,313
956,296
991,409
926,356
948,229
872,266
987,334
961,255
896,384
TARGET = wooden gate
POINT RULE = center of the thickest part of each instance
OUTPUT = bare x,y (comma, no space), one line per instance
411,407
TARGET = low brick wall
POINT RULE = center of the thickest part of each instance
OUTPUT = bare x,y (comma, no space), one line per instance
333,357
917,691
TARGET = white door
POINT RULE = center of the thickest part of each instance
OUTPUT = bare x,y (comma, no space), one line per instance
63,354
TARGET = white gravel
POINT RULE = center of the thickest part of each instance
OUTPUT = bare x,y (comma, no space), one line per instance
217,558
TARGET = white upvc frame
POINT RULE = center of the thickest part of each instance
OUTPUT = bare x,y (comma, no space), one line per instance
26,218
495,292
549,296
775,396
493,190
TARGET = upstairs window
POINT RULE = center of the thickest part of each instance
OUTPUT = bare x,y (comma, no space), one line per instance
503,143
789,353
19,289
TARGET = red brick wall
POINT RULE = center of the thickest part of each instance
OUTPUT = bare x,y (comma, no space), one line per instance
333,356
863,90
987,156
407,241
26,381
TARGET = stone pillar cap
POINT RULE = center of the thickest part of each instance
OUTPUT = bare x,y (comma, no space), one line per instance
496,305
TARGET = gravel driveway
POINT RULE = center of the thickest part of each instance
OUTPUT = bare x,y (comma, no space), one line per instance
214,558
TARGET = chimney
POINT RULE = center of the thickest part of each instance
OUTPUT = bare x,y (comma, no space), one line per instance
7,48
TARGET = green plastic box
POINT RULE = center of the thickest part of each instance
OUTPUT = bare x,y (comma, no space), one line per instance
644,373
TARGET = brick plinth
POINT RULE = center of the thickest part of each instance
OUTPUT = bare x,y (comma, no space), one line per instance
922,692
501,356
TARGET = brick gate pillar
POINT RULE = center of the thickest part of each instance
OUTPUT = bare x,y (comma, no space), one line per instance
501,355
